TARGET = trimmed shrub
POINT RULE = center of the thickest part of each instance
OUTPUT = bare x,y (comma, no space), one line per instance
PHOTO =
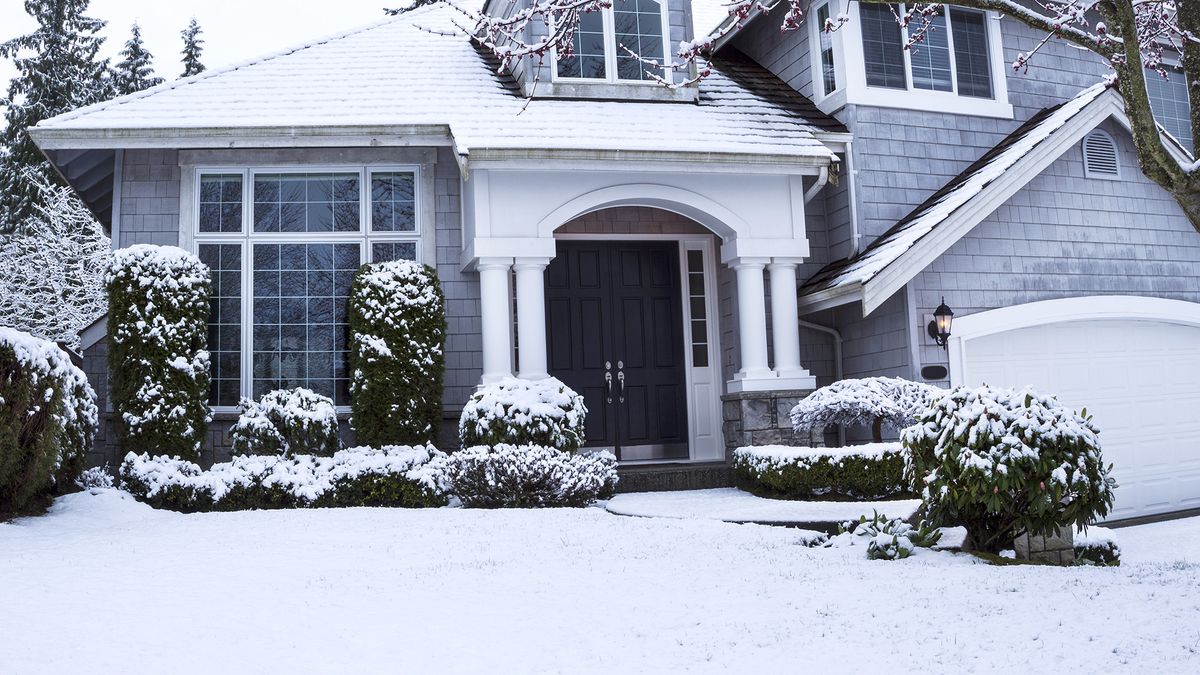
1002,462
870,401
286,422
863,472
529,476
395,476
397,362
158,308
1097,546
524,412
47,419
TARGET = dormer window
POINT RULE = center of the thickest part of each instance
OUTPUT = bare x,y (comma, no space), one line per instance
1169,102
601,40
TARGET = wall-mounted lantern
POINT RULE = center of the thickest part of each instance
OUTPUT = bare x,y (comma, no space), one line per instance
939,328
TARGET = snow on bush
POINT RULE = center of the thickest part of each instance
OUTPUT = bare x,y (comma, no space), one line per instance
396,476
397,362
1002,462
47,419
1097,546
52,268
863,472
870,401
157,356
524,412
886,538
529,476
96,477
286,422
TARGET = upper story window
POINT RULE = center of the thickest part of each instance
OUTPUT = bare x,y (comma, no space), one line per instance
828,81
953,57
1169,101
603,42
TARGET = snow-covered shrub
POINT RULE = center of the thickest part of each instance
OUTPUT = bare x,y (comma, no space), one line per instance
529,476
394,476
157,353
862,472
47,419
286,422
524,412
1096,546
95,477
870,401
886,538
397,361
1002,462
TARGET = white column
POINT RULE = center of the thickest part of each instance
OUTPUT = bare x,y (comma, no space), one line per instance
785,319
531,317
494,314
752,320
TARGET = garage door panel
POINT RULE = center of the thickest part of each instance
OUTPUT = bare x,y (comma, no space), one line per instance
1139,379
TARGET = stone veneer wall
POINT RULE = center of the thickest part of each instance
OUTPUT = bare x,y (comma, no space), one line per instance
761,418
1056,550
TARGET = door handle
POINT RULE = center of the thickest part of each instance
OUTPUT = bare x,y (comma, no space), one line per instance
621,380
608,379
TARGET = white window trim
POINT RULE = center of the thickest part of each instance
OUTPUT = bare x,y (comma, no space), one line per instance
191,237
818,66
1087,168
610,53
853,88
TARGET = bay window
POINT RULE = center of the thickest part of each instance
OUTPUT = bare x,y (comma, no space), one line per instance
283,246
602,38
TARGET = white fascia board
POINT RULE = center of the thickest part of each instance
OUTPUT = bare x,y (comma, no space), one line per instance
227,137
899,272
697,162
830,298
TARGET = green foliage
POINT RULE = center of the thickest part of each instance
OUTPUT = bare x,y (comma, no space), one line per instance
887,538
134,71
47,418
381,489
545,413
192,48
397,360
1002,462
810,474
1100,555
286,422
158,364
508,476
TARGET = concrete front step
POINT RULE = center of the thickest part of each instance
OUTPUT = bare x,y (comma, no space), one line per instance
681,476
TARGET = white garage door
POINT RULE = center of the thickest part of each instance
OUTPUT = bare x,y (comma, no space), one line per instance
1140,380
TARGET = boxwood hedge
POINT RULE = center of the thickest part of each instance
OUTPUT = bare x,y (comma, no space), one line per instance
866,472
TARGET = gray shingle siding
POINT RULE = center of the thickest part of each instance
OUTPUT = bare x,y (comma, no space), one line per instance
784,53
149,198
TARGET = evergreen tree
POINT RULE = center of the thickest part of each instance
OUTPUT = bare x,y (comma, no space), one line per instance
192,47
57,71
135,72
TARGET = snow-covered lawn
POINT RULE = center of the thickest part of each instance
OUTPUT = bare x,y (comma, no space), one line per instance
104,584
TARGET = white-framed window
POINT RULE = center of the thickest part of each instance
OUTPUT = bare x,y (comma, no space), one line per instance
601,39
826,76
283,245
1169,101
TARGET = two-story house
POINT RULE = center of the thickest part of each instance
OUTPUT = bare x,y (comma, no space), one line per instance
693,259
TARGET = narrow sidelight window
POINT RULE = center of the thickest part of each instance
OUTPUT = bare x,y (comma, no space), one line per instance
828,67
225,321
698,307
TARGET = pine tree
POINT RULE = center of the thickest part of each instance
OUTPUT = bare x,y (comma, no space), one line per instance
192,47
135,72
57,71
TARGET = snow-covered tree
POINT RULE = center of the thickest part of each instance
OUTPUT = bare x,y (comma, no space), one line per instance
1133,36
52,270
193,46
57,71
870,401
135,71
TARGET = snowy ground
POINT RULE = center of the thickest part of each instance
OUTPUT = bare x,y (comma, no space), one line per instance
737,506
104,584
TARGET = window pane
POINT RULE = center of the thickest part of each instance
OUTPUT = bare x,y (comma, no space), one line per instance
224,321
393,250
638,28
695,269
883,47
1169,101
393,202
930,58
828,71
221,203
300,296
306,202
588,45
971,62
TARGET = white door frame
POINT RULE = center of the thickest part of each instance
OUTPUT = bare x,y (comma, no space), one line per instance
1061,310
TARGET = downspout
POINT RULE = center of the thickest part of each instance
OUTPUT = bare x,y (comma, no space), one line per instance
852,175
837,360
822,180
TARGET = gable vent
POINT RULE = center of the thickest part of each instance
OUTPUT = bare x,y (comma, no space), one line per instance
1100,156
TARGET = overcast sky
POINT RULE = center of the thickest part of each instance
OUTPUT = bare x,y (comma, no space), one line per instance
234,30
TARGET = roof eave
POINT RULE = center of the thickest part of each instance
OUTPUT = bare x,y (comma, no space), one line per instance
829,298
64,138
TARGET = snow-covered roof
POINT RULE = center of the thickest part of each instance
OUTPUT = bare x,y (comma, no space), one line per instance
707,15
953,198
416,71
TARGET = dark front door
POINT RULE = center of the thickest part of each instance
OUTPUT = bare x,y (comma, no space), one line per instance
614,329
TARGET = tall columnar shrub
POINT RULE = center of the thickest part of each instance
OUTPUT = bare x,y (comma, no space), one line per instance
870,401
1003,462
158,299
397,360
47,418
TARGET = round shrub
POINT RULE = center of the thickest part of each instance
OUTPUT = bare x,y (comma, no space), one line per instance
286,422
524,412
397,362
158,307
529,476
47,419
870,401
1003,462
862,472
